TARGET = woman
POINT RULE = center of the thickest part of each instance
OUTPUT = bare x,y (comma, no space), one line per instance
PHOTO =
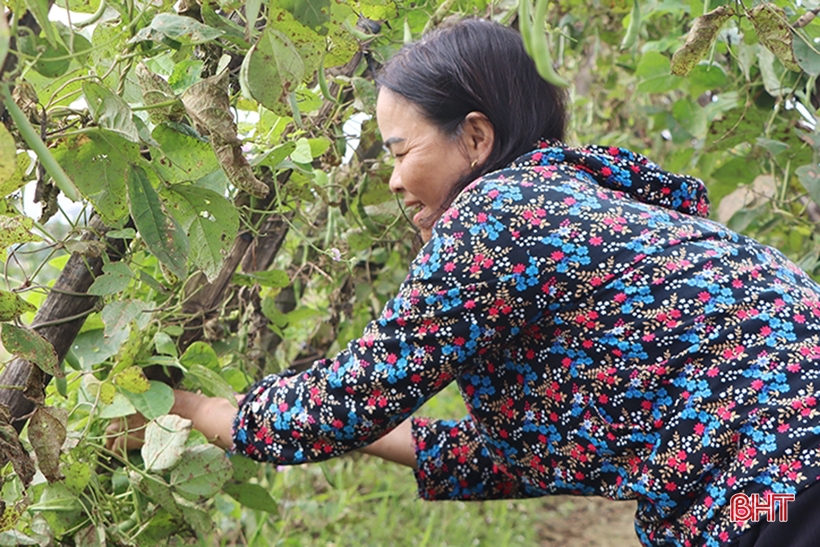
607,338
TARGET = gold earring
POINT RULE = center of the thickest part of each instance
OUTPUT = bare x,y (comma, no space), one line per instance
472,165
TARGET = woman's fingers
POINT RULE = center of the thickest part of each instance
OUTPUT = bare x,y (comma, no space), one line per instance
125,434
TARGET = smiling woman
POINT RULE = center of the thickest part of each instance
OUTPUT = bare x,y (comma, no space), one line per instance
428,162
607,338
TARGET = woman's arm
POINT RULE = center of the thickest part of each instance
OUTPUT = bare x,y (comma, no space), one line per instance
397,446
211,416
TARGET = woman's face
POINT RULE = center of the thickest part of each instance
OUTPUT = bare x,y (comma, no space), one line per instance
428,163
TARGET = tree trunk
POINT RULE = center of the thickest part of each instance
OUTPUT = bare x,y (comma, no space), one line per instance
59,319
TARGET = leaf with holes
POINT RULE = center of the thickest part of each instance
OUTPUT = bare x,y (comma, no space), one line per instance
271,70
772,28
202,472
14,230
46,432
701,36
163,236
98,163
210,220
12,306
164,439
133,379
28,345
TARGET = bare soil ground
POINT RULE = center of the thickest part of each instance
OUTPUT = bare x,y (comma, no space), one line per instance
588,522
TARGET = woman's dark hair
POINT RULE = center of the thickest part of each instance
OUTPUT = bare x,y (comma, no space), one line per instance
477,65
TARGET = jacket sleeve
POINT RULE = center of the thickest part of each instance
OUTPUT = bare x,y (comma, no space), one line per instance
458,302
453,463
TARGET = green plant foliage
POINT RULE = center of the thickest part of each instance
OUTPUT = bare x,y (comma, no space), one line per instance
214,140
28,345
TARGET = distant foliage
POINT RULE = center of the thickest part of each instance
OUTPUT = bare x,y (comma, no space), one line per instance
220,141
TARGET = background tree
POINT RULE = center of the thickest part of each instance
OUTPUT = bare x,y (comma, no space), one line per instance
187,196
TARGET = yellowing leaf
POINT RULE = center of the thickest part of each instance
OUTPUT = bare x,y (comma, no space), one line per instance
14,230
773,31
133,380
701,36
28,345
12,306
8,155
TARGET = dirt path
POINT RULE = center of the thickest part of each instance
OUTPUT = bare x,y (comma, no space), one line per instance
588,522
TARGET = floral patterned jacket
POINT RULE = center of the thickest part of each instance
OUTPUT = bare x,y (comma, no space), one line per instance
607,339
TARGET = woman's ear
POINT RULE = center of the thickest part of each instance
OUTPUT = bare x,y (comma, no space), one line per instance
479,136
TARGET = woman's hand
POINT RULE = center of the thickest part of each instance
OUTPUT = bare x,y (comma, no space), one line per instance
211,416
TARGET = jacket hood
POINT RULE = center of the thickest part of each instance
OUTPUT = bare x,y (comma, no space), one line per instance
626,171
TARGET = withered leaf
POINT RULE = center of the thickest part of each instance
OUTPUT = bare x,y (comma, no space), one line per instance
208,105
12,450
701,36
46,432
773,31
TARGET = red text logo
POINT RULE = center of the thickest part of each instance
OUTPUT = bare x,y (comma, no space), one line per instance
774,506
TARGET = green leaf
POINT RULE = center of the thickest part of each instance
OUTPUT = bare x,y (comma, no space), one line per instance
200,521
163,236
165,344
212,383
176,28
39,9
807,55
164,441
117,316
92,347
307,41
110,111
311,13
182,156
14,230
98,163
133,379
77,476
8,156
200,353
211,222
654,73
705,77
28,345
244,468
271,70
252,496
119,407
275,279
116,277
809,177
80,6
19,177
202,472
12,306
47,433
691,116
155,402
156,489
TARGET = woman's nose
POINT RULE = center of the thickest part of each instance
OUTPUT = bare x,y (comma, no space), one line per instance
395,182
